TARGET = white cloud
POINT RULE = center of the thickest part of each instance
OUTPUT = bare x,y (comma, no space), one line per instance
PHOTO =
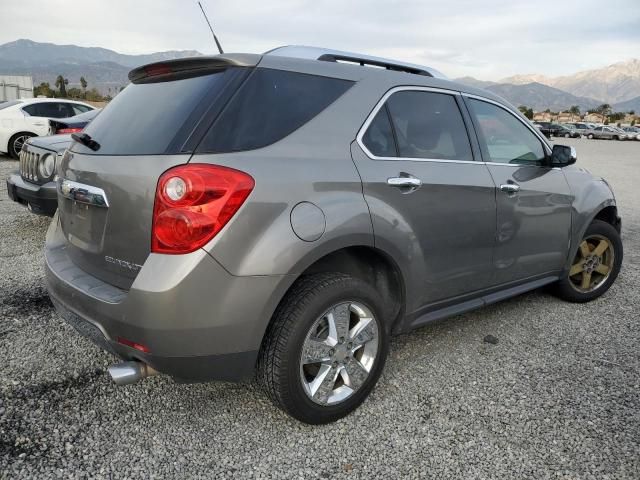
489,39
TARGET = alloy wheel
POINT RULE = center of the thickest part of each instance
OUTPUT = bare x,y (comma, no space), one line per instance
18,143
593,264
339,353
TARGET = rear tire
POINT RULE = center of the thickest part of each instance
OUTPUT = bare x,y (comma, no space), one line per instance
590,136
347,366
595,267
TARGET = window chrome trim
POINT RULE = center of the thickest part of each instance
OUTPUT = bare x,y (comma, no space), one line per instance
380,104
454,93
538,135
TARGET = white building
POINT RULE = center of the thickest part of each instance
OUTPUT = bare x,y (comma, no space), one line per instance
13,87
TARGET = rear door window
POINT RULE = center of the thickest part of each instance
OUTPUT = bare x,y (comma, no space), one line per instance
429,125
379,136
78,109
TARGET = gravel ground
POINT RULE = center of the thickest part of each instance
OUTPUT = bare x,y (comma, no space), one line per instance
557,397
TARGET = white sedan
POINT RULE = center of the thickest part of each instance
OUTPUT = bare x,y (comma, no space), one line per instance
29,117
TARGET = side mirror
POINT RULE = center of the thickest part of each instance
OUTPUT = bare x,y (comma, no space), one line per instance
563,155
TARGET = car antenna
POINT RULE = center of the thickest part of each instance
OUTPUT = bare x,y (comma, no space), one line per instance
211,28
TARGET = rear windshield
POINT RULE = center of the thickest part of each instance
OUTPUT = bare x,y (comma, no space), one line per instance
269,106
153,118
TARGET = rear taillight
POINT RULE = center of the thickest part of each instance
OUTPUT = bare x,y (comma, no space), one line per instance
62,131
193,202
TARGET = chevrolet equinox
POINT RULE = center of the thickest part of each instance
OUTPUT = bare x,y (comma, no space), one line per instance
282,215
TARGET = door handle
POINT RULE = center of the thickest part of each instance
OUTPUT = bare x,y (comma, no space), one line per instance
405,182
510,188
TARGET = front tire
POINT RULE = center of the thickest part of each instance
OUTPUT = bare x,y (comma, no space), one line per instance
325,348
595,266
16,142
590,136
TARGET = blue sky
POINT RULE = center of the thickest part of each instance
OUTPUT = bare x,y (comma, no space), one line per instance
487,39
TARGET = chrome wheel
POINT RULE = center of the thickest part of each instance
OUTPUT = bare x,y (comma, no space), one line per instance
338,353
18,142
593,264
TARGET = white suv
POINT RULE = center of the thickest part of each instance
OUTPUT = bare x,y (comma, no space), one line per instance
25,118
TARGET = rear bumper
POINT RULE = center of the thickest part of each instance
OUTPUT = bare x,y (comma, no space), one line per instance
197,321
40,199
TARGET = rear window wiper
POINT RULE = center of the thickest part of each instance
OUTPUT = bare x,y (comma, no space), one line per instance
86,140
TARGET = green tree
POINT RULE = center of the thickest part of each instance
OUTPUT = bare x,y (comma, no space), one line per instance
75,92
526,111
93,95
83,84
44,89
574,111
61,84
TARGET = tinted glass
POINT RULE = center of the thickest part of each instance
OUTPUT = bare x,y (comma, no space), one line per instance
268,107
78,109
504,138
379,137
145,118
50,109
429,125
32,110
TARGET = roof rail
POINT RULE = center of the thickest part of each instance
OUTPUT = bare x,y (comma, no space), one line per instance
327,55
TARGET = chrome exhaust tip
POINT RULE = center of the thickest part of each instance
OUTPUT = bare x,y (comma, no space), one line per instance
126,373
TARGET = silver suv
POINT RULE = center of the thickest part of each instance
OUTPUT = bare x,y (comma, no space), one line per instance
286,213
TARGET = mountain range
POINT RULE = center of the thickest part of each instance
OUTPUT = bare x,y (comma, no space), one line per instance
102,68
617,84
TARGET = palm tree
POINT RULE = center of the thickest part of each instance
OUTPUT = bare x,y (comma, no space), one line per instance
574,110
604,110
62,83
83,84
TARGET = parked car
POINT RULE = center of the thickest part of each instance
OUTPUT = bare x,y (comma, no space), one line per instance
604,132
632,132
623,135
583,128
286,213
548,129
33,185
566,131
26,118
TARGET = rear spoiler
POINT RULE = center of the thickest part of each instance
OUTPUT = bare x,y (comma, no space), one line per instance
185,67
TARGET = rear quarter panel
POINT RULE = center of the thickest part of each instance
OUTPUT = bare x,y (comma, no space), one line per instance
313,164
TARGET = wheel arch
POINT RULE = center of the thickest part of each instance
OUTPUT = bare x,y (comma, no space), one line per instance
365,262
16,134
606,211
